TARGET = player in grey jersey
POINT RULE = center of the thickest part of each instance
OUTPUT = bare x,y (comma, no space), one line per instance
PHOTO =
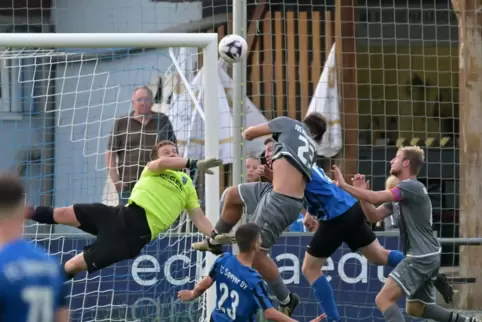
414,276
277,207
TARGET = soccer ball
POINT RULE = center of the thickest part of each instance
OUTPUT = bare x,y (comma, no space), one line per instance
233,48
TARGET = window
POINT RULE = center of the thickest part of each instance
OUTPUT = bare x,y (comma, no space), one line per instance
10,100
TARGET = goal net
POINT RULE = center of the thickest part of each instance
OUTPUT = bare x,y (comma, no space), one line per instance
393,81
76,95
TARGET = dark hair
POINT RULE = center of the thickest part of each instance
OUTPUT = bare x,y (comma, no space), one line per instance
246,237
268,140
160,145
12,193
316,124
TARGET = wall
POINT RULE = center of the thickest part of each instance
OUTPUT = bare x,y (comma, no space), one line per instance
122,15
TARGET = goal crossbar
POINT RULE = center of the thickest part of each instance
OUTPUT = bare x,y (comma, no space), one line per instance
107,40
210,81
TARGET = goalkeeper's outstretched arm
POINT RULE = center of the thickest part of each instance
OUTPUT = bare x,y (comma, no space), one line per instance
165,163
179,163
201,221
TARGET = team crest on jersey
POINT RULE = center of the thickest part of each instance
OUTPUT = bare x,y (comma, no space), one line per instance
184,180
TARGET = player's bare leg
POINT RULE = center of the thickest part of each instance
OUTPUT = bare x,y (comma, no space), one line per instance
434,312
387,299
75,265
378,255
322,289
270,273
231,213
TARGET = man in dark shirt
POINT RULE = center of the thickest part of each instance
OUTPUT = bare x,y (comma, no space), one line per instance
132,140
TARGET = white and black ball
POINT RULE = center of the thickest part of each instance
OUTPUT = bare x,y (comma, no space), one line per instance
233,48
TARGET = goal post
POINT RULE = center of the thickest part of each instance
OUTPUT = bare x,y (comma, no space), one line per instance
20,45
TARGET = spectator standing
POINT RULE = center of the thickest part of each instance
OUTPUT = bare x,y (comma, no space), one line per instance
132,139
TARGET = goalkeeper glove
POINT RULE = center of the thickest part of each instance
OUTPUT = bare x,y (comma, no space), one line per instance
223,239
204,165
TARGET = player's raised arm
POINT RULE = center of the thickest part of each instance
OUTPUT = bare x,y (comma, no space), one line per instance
164,159
373,197
276,125
373,214
256,131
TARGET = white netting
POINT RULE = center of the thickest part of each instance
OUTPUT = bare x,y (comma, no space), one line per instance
82,94
401,85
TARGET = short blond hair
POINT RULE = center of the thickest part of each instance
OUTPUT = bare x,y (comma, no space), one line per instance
391,182
415,155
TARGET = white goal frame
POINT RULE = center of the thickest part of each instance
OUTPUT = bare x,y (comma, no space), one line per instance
207,41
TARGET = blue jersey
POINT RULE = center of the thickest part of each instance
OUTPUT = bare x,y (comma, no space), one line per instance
324,199
240,290
31,284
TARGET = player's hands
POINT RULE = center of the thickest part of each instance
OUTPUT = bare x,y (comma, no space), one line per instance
319,318
359,181
264,171
185,295
206,164
338,176
224,239
310,222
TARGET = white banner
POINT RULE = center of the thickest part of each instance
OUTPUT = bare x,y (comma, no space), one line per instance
189,126
326,102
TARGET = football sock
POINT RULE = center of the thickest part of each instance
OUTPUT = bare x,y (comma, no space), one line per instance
324,294
393,314
43,215
280,290
438,313
394,257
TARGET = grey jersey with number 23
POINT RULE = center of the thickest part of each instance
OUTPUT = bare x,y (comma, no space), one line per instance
293,143
414,212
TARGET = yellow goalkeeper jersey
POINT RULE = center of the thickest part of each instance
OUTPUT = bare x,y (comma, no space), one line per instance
163,196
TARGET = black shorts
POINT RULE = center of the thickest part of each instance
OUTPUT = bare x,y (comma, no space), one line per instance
121,233
350,228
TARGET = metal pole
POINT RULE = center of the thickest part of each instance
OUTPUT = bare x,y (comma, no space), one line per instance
239,95
239,99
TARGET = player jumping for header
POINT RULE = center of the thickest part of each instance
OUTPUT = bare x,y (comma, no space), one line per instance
279,204
156,201
240,290
414,276
32,284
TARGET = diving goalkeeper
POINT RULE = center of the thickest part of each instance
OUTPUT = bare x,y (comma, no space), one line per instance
157,200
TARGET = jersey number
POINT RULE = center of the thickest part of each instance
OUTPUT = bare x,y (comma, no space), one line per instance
306,152
40,301
231,312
